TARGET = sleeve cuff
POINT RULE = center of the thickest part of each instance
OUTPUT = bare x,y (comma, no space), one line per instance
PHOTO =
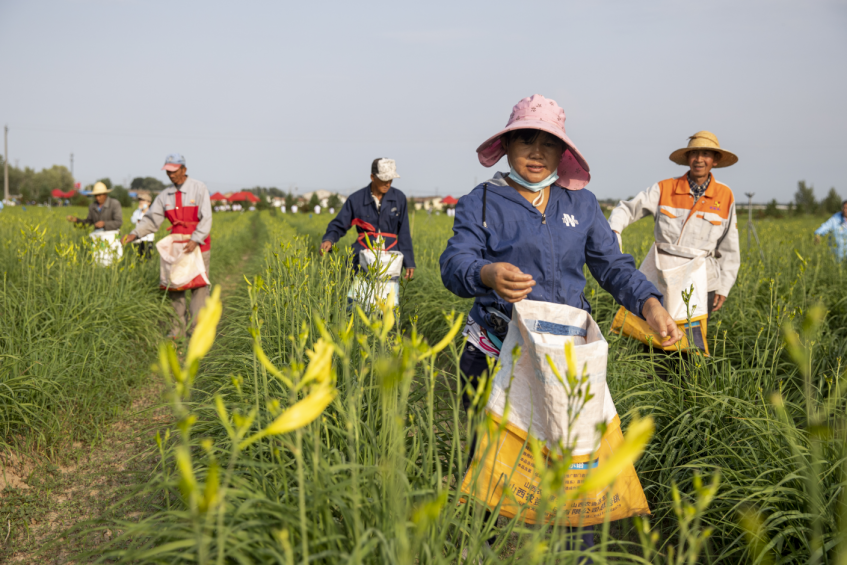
643,302
477,276
615,225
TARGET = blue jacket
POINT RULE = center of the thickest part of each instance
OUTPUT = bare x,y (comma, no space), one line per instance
552,247
837,226
392,217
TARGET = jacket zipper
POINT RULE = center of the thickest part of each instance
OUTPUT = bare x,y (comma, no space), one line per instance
693,212
552,256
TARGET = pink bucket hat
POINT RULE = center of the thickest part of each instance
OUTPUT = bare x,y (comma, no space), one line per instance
537,112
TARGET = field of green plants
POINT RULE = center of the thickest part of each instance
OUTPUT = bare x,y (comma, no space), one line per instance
304,431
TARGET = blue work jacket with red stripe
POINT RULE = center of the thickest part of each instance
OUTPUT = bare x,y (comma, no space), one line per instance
494,223
391,217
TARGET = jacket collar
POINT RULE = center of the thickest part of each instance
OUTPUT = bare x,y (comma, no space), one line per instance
499,186
369,198
172,189
682,186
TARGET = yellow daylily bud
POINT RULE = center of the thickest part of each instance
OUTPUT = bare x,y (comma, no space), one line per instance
438,347
320,364
186,471
639,433
570,357
303,412
207,326
387,308
210,492
299,415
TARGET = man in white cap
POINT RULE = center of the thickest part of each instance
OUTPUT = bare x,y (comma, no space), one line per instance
694,211
376,210
188,207
104,213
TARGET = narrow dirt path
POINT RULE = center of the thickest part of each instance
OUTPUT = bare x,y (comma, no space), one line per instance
47,498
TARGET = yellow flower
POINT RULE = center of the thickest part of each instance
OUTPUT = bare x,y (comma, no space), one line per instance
207,325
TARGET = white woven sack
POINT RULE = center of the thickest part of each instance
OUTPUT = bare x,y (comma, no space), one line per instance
538,403
176,267
390,262
674,269
109,246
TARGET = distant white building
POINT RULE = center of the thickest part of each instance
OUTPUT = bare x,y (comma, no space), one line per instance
428,202
323,197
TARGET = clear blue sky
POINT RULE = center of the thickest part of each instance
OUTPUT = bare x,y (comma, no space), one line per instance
308,93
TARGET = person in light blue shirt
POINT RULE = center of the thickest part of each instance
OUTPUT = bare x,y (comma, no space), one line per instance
837,227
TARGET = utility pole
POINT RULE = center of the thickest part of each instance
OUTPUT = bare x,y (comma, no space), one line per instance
6,162
72,164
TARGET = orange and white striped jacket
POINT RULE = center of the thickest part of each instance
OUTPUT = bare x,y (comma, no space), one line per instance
708,224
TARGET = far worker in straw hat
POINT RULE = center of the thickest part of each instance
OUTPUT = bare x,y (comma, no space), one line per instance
694,211
104,213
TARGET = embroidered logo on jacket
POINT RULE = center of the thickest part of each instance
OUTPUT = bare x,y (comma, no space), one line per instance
569,220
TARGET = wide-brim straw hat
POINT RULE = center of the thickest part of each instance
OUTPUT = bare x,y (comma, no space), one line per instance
704,141
145,196
99,188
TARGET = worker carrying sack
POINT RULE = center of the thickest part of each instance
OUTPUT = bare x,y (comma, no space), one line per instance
539,405
379,271
106,246
674,270
179,270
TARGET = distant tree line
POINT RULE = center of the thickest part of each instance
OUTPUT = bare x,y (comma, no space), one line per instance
805,203
37,187
334,201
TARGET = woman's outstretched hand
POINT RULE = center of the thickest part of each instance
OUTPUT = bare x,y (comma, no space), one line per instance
507,281
661,322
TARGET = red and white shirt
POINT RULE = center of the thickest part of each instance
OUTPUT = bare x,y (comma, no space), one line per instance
188,208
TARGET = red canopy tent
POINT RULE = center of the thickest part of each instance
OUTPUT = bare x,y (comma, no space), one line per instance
242,196
56,193
449,201
217,196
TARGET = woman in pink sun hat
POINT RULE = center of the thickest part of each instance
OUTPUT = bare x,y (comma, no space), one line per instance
528,233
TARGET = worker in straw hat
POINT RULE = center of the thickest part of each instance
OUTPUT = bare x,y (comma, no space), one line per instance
694,211
104,213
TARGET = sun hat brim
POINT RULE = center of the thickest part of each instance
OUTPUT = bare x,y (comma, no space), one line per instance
391,176
172,167
727,159
573,169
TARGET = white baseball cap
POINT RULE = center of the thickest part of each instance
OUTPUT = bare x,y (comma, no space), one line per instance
384,169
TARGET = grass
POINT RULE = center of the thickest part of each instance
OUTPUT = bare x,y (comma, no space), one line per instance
746,466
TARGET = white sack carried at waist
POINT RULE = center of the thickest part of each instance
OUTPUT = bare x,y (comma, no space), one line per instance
389,263
674,269
538,401
176,267
108,246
